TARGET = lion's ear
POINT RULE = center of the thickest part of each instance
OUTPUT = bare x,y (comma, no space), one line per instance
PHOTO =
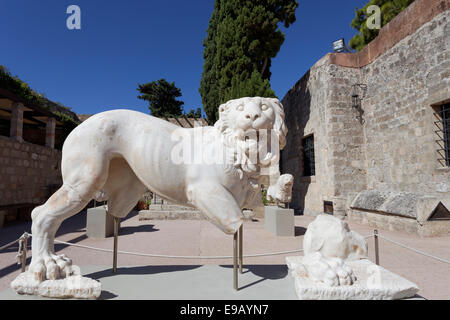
222,107
221,124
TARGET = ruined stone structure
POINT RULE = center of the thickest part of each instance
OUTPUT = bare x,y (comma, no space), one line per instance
30,171
367,138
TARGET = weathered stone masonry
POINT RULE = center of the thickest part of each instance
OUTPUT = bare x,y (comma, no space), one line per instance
30,169
383,169
27,172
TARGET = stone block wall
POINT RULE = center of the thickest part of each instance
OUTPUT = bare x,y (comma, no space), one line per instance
27,171
305,106
320,104
392,148
402,86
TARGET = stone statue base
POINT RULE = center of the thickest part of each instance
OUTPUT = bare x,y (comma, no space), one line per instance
71,287
279,221
372,283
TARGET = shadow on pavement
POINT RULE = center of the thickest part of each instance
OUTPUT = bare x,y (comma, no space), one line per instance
106,295
264,271
76,223
135,229
140,270
299,231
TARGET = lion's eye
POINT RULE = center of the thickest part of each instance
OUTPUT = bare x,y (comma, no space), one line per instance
264,107
240,108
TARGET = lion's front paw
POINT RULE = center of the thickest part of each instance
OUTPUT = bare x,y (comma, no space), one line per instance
330,271
53,267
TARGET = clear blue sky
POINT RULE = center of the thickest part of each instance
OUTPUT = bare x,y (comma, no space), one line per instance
123,43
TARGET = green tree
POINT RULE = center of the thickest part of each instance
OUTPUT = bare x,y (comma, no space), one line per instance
194,114
247,87
23,90
389,9
242,38
161,96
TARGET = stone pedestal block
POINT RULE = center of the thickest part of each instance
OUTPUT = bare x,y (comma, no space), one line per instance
372,283
280,221
99,224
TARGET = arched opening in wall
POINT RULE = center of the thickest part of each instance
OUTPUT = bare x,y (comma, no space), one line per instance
5,126
61,133
309,165
5,117
33,132
60,136
328,207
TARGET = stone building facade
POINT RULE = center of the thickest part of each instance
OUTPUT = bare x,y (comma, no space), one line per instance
30,170
375,121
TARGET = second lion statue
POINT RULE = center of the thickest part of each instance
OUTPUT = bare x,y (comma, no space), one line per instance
122,153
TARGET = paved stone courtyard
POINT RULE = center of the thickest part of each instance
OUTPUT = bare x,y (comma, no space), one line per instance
200,238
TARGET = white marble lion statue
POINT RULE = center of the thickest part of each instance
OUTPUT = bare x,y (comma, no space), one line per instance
281,190
122,153
328,244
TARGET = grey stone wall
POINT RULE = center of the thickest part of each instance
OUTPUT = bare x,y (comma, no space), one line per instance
320,104
306,105
393,148
27,170
402,85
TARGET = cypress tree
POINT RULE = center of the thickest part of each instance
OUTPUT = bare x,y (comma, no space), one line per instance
242,38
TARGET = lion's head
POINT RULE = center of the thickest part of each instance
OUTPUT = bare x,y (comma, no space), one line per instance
240,115
242,120
281,191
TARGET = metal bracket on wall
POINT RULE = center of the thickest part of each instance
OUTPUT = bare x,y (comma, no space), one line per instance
359,91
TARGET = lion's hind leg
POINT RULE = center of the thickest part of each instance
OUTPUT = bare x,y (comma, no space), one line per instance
45,264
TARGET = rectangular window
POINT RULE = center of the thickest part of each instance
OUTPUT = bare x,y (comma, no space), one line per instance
443,133
445,124
309,168
328,207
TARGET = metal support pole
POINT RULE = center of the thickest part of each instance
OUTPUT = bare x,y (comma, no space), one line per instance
24,253
377,257
235,261
116,236
241,231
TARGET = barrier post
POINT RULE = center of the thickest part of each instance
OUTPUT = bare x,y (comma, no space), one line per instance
116,236
235,261
24,253
241,231
377,257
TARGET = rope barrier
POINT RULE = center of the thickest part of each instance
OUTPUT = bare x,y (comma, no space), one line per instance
9,244
26,235
415,250
177,257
